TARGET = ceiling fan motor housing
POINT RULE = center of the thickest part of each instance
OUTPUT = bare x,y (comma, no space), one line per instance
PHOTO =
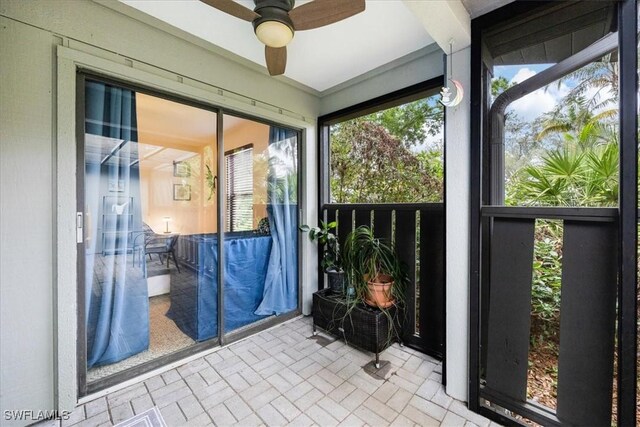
274,10
282,4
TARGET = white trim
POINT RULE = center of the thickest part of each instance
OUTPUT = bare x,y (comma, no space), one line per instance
395,64
445,21
69,61
182,86
65,284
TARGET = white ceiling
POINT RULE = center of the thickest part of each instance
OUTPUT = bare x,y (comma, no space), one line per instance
480,7
320,58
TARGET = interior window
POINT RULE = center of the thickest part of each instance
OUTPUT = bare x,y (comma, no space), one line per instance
239,181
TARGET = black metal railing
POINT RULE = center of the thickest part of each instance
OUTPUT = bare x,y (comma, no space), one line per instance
587,312
417,231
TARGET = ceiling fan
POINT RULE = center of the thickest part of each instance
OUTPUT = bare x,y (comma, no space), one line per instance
276,21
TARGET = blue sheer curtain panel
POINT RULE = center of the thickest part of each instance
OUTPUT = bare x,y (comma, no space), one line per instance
117,302
281,283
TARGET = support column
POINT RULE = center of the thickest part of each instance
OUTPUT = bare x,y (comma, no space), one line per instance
449,21
457,185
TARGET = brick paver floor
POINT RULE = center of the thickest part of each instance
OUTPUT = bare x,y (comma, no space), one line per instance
286,376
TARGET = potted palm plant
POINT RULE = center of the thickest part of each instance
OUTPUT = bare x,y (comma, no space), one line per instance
373,269
331,260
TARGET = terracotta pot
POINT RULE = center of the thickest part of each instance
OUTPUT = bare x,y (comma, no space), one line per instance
379,294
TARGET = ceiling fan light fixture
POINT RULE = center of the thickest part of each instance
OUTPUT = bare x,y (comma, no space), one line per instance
274,33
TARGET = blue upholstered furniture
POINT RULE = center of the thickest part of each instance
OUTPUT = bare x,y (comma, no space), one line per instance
194,303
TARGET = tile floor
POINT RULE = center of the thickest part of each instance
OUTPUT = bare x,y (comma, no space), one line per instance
285,376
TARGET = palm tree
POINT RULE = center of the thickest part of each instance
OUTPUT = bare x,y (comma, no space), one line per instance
574,122
589,111
570,177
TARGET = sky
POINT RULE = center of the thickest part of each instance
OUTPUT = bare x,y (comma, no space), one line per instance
546,99
536,103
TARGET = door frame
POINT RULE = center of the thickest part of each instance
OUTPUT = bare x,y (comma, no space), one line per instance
66,303
627,209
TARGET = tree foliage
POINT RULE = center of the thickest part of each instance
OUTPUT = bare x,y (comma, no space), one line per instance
411,123
570,178
499,85
384,157
576,160
567,157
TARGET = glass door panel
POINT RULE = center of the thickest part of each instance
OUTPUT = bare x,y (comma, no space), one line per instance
150,248
261,202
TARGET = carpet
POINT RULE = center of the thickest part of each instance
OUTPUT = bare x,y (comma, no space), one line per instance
164,338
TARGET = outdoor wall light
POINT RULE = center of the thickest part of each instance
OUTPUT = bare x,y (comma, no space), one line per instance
274,34
166,219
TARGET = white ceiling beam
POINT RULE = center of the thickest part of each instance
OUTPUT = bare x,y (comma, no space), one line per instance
445,21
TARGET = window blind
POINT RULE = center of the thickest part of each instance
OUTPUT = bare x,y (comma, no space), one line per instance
239,182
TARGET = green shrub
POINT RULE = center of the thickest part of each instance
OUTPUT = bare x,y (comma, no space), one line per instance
546,281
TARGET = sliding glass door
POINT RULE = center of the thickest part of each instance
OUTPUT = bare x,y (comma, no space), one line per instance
162,208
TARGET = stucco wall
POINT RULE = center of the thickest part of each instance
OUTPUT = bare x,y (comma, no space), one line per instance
416,67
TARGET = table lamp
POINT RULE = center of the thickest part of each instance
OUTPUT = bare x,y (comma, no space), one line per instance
166,219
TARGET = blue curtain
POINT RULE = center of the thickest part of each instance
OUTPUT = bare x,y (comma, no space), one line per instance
117,301
281,283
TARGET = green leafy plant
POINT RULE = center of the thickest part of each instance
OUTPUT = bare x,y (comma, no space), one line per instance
547,280
331,260
367,257
211,180
570,178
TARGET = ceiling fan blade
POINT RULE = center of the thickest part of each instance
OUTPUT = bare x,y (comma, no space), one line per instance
233,8
319,13
276,59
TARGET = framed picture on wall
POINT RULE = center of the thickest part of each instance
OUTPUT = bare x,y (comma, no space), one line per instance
181,192
181,169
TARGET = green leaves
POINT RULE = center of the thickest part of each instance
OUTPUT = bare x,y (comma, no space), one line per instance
384,157
570,178
547,277
579,140
365,255
331,256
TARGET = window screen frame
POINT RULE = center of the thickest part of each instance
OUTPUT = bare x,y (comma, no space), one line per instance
409,94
